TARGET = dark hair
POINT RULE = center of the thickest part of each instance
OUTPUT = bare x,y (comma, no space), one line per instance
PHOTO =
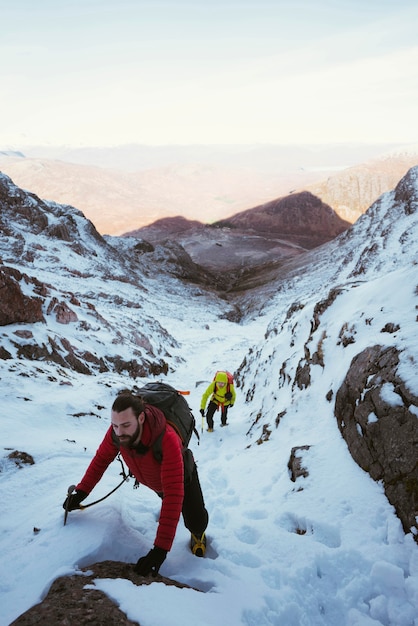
126,399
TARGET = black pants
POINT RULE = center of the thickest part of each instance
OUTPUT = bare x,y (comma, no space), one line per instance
194,512
212,407
195,515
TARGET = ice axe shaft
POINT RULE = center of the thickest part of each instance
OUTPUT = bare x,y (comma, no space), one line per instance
69,492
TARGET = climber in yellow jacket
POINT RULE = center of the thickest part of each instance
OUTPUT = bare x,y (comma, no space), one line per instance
222,394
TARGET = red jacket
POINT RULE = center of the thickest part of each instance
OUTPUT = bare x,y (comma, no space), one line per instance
165,478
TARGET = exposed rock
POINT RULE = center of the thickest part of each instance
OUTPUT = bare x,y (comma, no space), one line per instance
303,375
390,328
21,458
382,434
63,313
265,435
177,262
351,191
24,334
16,307
68,601
4,354
139,370
58,231
143,247
403,193
295,466
19,204
322,306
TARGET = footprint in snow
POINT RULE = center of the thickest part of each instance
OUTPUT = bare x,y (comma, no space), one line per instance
247,534
320,531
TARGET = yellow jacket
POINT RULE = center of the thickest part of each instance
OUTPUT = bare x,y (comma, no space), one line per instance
218,393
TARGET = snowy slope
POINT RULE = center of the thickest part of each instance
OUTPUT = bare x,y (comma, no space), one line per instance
325,550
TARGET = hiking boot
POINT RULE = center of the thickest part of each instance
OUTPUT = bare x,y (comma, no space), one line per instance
224,424
210,430
198,546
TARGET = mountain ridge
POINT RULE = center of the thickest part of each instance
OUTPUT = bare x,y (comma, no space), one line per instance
119,201
276,230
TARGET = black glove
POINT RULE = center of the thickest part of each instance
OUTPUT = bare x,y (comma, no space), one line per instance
202,412
230,406
228,395
151,563
74,500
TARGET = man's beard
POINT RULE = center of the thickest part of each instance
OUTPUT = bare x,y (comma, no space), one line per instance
127,442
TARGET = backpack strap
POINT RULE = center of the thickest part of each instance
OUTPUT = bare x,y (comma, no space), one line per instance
157,447
188,459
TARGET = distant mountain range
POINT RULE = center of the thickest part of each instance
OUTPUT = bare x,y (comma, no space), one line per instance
273,231
126,188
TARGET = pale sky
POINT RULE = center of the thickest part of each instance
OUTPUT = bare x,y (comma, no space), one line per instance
108,72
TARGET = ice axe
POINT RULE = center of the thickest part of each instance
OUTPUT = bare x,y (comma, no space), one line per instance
86,506
67,503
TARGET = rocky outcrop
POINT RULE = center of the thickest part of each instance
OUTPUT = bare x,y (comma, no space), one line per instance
20,205
37,216
295,464
353,190
376,414
63,313
15,306
38,234
69,602
175,260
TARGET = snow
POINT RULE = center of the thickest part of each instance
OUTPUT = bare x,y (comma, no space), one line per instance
325,550
390,396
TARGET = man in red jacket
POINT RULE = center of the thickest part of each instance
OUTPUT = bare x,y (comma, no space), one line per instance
134,429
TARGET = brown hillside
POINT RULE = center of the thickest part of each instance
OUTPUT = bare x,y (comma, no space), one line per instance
165,228
300,218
